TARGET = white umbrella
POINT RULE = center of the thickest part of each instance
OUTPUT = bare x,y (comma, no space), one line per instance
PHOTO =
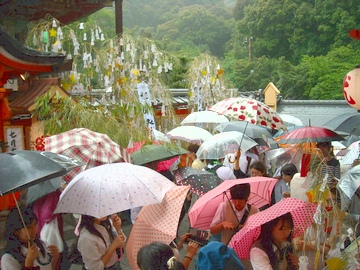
290,120
221,144
112,188
190,134
159,136
204,117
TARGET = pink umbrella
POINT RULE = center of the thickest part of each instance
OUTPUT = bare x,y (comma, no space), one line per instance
203,210
157,222
302,214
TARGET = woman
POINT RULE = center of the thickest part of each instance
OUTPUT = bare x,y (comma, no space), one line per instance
331,165
273,249
100,242
24,249
160,256
258,168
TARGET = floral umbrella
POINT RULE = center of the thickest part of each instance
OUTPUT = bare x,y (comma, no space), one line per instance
250,110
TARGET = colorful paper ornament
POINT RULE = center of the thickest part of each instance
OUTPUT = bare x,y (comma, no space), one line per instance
81,26
52,32
46,36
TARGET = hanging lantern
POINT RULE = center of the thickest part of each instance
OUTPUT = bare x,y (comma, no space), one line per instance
351,88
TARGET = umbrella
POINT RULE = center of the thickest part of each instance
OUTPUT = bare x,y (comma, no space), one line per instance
347,123
250,110
258,133
89,147
31,194
348,184
302,214
221,144
203,210
157,222
290,120
159,136
23,168
199,181
310,134
190,134
282,132
149,153
203,117
112,188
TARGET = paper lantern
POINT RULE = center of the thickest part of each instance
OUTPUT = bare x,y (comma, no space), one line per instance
351,88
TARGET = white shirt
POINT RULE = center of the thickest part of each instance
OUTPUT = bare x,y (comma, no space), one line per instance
92,248
8,262
260,260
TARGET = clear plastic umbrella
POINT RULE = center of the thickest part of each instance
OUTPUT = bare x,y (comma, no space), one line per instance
221,144
348,185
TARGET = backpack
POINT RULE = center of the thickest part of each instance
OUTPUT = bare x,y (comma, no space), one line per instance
74,255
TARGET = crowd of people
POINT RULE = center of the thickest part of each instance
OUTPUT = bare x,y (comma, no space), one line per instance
101,241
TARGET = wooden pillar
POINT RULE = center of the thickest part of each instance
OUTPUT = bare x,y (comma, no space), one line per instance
118,17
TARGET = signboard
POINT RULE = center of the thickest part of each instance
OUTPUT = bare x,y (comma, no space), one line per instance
14,136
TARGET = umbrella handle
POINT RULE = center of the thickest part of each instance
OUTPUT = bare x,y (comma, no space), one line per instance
22,220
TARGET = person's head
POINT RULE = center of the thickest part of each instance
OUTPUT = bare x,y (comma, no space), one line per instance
325,147
278,230
288,171
192,148
258,168
239,195
158,256
215,255
15,228
152,165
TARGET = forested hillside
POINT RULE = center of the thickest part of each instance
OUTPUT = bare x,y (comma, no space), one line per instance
302,46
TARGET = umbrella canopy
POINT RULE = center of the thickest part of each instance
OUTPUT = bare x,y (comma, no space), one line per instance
23,168
203,210
348,184
203,117
221,144
199,181
310,134
31,194
149,153
112,188
282,132
347,123
89,147
259,134
250,110
302,214
290,120
190,134
157,222
159,136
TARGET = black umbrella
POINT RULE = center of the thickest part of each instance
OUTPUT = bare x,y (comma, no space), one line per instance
200,181
347,122
23,168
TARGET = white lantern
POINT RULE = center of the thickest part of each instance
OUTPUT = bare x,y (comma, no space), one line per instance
351,88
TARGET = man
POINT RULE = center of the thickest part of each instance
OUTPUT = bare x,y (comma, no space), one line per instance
232,215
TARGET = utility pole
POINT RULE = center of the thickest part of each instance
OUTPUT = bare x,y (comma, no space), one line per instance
118,17
248,42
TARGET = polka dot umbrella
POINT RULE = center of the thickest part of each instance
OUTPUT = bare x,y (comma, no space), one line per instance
199,181
302,214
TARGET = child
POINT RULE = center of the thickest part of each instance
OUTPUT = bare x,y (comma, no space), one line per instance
24,249
231,216
160,256
101,241
273,249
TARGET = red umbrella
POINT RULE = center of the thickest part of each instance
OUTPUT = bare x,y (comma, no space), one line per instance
156,222
203,210
310,134
302,214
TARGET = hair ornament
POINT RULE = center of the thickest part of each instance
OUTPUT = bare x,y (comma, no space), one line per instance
171,263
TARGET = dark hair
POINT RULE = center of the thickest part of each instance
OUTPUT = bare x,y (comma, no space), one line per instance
14,223
260,166
289,169
240,191
266,238
155,256
328,144
193,147
88,223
